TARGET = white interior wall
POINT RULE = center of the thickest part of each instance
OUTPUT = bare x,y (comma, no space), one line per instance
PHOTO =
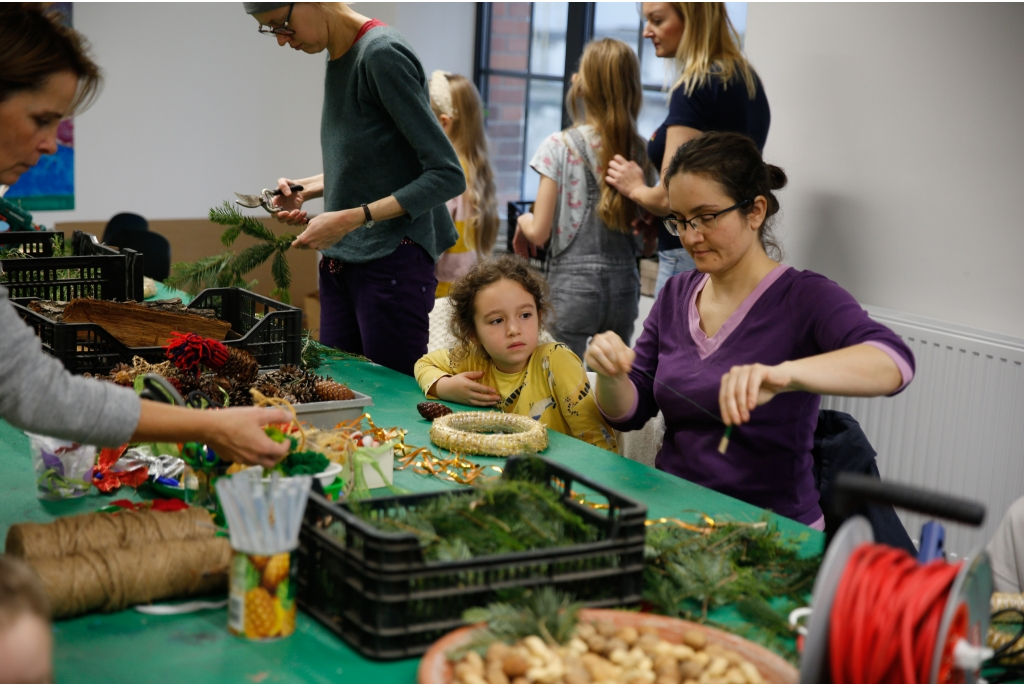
196,104
899,127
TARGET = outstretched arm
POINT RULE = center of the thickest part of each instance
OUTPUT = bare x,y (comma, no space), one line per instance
856,371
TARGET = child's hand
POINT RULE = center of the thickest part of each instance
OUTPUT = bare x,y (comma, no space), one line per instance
464,389
608,356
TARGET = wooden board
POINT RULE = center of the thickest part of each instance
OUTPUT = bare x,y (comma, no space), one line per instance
137,326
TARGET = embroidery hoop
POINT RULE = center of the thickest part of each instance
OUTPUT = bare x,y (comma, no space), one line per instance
489,433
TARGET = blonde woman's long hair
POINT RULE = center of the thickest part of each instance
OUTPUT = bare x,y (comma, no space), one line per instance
608,88
709,42
470,142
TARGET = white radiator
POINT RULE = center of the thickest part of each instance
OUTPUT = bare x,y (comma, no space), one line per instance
958,428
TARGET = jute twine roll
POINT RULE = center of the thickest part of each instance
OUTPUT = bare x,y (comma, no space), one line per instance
114,579
100,532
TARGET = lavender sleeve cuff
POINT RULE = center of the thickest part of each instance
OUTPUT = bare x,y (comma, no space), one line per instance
906,372
628,415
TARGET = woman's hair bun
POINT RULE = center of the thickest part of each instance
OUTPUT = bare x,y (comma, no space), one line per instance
776,177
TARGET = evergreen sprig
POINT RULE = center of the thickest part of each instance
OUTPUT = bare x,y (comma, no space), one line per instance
546,612
501,516
227,269
750,566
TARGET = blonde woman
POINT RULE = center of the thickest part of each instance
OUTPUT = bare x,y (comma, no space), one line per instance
456,103
592,253
716,90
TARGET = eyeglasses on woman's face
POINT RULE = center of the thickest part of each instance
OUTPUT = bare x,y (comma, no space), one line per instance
702,223
281,30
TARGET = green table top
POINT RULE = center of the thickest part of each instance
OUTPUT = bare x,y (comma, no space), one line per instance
129,646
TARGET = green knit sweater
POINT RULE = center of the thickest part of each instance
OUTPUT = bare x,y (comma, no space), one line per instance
379,138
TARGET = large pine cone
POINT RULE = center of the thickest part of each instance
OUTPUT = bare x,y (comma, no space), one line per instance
330,391
241,366
432,410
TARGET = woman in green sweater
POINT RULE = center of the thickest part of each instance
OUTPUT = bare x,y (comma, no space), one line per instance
388,171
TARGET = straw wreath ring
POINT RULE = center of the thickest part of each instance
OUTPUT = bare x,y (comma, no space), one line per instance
441,92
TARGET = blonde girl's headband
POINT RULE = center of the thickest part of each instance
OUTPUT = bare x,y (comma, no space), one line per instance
441,92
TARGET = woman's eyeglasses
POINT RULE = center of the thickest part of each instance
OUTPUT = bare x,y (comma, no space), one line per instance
281,30
703,223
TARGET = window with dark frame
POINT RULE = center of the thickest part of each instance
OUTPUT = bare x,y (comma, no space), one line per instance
525,56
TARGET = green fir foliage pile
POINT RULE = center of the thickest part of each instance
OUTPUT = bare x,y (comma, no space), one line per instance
499,517
751,567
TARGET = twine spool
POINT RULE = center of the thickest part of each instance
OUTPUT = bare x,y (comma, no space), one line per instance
114,579
101,532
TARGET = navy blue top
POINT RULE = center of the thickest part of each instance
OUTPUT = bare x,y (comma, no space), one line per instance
712,107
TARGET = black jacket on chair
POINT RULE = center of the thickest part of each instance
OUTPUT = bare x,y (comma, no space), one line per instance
840,445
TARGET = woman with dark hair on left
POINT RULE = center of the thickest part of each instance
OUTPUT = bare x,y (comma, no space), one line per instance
46,75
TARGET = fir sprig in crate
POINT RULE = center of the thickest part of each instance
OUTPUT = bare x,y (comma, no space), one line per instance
41,265
376,590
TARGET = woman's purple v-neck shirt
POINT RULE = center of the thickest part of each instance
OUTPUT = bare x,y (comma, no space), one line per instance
790,315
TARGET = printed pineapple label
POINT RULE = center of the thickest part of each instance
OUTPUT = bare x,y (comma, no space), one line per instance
261,599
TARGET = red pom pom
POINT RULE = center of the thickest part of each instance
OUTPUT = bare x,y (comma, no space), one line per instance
190,351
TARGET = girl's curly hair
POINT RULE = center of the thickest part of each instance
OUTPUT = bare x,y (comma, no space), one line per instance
463,292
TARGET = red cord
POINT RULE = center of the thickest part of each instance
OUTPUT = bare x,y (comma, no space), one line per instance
886,615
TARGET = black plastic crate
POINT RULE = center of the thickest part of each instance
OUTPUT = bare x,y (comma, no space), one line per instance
95,270
269,330
375,590
32,243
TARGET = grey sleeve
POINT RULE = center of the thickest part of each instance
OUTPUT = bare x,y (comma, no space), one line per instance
38,394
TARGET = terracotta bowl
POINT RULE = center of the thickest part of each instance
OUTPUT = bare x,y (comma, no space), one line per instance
435,667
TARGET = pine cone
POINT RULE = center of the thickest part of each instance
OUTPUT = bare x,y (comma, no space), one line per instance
289,373
328,391
432,410
241,366
304,389
122,374
267,385
215,387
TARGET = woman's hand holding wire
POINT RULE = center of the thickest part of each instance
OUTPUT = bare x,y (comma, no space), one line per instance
608,356
746,387
464,389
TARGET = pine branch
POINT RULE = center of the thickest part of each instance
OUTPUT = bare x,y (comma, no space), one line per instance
251,258
193,277
281,272
227,215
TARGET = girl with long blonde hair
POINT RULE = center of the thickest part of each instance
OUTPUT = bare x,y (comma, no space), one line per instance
588,223
715,89
456,103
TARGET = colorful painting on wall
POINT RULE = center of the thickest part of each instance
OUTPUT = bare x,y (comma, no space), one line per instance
51,184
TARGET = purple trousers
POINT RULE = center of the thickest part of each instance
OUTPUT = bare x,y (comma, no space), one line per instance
379,309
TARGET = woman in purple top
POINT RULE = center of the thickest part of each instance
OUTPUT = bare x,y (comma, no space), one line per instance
754,339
